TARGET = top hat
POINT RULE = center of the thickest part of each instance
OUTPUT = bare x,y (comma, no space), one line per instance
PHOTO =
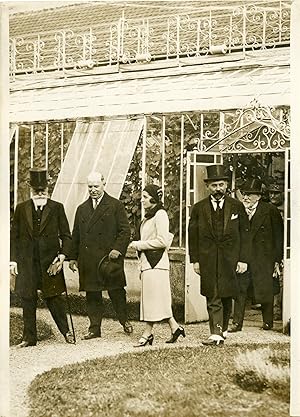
215,173
38,178
252,186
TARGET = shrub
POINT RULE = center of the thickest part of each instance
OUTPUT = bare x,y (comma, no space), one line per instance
261,369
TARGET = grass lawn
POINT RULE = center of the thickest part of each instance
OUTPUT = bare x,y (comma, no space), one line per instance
168,382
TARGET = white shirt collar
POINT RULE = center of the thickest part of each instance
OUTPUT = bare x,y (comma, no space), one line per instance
214,202
97,200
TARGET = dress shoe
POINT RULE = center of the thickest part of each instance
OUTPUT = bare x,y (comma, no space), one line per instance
213,342
69,338
235,328
176,334
24,344
144,341
128,329
267,326
91,335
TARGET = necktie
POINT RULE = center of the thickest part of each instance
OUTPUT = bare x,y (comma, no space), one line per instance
250,211
218,205
94,203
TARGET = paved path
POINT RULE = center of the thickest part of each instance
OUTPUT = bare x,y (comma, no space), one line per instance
26,363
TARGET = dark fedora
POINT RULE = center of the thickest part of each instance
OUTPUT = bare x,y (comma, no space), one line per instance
252,186
38,178
215,173
275,188
111,273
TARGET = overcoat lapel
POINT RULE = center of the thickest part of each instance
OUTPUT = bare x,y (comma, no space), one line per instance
257,219
103,206
227,212
45,215
28,214
207,212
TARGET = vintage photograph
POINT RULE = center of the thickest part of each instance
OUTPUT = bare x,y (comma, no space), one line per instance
149,169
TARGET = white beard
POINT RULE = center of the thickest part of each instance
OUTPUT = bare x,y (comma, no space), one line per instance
40,201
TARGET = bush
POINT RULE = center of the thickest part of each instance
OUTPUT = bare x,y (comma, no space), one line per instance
262,369
78,306
44,330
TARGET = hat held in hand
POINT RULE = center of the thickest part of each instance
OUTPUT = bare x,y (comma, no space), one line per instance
111,273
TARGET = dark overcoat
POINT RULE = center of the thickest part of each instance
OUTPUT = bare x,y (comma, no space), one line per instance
95,234
266,233
54,238
218,257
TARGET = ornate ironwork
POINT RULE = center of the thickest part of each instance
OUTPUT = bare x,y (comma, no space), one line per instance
256,128
200,33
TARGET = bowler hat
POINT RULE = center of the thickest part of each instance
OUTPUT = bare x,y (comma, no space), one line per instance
110,272
215,173
252,186
38,178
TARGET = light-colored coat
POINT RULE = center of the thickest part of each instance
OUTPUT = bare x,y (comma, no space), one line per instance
155,235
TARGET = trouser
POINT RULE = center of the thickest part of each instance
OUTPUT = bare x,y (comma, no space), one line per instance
219,310
94,303
278,300
56,306
240,301
245,283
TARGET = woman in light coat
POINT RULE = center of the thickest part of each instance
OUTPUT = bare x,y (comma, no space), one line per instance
155,240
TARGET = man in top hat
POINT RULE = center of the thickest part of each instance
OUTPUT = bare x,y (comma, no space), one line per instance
266,236
218,249
40,241
100,229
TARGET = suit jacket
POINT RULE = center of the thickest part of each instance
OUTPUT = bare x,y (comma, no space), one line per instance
54,238
218,257
95,234
266,231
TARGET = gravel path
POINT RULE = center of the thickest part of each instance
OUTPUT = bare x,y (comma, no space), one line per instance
26,363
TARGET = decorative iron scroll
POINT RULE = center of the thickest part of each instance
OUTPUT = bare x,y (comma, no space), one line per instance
202,32
256,128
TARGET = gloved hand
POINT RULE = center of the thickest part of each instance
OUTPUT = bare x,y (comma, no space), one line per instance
196,267
56,265
241,267
13,268
114,254
73,265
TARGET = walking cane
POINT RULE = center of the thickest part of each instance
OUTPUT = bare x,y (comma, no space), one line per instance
69,309
53,270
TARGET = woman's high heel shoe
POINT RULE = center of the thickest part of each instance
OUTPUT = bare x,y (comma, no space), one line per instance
176,334
144,341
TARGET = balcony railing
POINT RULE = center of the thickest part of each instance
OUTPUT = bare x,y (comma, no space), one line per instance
128,41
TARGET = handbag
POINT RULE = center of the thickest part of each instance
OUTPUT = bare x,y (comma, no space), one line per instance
153,256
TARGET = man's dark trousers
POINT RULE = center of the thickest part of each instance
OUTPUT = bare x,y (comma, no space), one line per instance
245,284
94,302
219,310
56,307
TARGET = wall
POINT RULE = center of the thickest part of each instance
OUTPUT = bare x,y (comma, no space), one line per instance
177,270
